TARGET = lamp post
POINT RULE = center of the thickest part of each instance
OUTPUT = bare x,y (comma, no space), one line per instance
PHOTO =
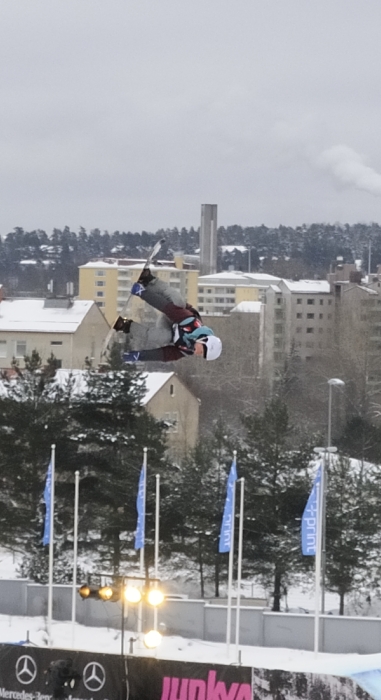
331,383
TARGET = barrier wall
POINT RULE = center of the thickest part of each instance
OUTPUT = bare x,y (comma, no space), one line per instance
198,619
25,675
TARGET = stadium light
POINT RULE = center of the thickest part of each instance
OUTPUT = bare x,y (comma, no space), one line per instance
152,639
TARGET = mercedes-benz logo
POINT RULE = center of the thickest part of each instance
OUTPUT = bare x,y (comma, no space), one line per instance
94,676
26,670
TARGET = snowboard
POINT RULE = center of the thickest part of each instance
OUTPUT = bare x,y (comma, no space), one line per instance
112,332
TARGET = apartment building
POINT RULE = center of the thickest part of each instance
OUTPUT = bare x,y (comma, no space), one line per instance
108,283
220,293
297,316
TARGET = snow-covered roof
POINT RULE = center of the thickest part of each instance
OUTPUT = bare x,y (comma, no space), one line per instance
367,290
153,381
235,277
232,248
248,307
30,316
100,264
308,286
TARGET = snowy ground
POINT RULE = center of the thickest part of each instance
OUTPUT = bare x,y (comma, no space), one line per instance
17,629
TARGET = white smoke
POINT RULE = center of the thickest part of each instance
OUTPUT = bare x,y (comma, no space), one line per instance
348,167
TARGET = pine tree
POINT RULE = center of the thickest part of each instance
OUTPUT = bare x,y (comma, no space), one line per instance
352,526
274,463
33,416
112,429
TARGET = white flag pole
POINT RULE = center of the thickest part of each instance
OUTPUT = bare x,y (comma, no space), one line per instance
318,556
51,547
75,555
239,572
156,556
140,607
230,570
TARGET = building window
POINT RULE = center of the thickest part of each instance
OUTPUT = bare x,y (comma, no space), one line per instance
100,294
299,315
201,308
321,302
171,419
100,304
308,358
329,302
279,300
20,348
278,329
56,342
298,301
171,389
320,315
310,301
310,315
3,348
100,273
309,330
99,283
329,316
309,344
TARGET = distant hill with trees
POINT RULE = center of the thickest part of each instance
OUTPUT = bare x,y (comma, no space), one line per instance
30,260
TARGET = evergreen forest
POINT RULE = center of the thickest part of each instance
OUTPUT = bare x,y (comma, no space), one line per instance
30,260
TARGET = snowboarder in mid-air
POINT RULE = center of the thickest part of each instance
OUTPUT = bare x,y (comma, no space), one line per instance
179,332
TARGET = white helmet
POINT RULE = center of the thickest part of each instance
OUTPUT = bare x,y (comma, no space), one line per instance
213,347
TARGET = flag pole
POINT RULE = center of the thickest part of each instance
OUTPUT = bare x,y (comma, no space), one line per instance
239,571
230,569
156,555
140,607
51,546
75,556
318,556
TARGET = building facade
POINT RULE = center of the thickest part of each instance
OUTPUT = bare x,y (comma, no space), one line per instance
70,330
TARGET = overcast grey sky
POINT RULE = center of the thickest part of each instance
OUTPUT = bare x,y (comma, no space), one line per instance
128,114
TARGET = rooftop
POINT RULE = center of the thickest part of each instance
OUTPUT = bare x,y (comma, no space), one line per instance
31,316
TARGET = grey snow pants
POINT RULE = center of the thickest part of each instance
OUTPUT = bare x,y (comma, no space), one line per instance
148,336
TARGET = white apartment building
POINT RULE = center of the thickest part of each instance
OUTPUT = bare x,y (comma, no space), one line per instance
296,315
222,292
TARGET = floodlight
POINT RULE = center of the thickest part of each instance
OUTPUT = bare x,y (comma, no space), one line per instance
152,639
155,596
132,594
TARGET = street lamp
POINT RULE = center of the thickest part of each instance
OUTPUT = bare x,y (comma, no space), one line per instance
331,383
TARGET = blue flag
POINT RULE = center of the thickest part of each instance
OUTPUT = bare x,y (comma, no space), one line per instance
227,519
310,519
48,505
140,507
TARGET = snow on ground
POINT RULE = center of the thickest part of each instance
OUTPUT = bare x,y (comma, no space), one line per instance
14,630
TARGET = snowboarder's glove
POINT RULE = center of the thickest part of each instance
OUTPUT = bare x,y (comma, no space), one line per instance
137,289
131,357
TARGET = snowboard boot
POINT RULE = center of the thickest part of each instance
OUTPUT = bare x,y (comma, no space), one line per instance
122,324
145,277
